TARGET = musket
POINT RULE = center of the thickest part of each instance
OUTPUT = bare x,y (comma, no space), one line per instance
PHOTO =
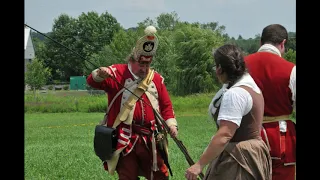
177,141
157,114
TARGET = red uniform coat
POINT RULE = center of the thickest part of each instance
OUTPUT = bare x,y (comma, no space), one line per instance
272,74
143,112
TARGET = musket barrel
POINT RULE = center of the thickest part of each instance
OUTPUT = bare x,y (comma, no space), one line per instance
178,142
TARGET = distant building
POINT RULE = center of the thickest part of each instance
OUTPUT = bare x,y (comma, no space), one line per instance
28,47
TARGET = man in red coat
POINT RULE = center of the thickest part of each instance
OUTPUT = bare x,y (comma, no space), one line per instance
276,77
137,151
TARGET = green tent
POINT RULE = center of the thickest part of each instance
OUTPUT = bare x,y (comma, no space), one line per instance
78,83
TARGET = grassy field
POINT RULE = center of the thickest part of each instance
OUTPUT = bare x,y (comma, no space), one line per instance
60,146
81,101
59,130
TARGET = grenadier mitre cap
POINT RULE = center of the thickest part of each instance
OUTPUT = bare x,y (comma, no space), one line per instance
146,45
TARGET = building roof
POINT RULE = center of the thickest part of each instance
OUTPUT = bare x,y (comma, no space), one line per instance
28,45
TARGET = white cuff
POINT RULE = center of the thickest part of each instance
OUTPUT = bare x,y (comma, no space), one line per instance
95,76
171,122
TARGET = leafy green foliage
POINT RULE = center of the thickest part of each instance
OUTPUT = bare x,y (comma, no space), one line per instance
85,36
290,55
116,52
167,21
36,75
183,57
194,61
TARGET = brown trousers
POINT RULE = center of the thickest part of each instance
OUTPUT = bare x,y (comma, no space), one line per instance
139,163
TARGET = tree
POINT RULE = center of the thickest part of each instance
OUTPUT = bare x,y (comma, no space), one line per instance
291,42
58,58
117,51
165,60
257,36
147,22
36,75
194,61
40,47
167,21
214,26
290,55
85,36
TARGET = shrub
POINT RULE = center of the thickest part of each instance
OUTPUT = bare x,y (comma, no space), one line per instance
65,87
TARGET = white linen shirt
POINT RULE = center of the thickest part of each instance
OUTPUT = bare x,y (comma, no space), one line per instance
236,102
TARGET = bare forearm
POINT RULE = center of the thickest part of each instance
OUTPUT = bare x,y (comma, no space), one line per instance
214,149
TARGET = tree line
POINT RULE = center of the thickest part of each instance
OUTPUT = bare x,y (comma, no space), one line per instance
183,57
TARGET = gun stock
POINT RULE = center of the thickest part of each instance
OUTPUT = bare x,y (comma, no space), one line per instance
178,142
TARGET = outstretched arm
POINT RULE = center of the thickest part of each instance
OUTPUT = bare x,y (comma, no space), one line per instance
97,79
234,105
225,133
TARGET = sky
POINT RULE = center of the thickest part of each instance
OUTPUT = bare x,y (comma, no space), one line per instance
240,17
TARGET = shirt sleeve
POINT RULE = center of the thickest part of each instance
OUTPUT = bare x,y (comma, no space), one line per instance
97,82
292,86
236,103
166,106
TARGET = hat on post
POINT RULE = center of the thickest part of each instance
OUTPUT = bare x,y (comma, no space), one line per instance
146,45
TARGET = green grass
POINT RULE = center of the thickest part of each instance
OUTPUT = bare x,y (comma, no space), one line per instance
59,134
60,146
81,101
64,101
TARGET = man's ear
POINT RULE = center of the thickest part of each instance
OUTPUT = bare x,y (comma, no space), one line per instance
283,43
